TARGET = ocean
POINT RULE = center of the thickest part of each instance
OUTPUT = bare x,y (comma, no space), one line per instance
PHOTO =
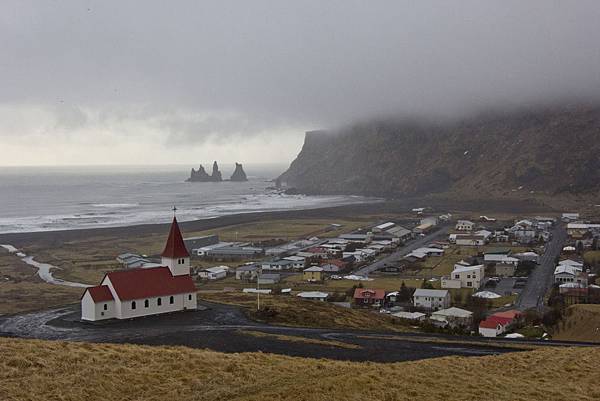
64,198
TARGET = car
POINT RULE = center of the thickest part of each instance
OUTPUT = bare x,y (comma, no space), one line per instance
335,277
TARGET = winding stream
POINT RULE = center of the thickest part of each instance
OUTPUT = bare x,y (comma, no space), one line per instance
44,269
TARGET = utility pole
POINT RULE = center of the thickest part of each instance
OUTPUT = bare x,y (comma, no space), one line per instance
258,289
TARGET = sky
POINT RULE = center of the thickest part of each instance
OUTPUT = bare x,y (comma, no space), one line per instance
182,82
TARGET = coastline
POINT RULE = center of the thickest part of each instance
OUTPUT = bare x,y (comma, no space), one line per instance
55,238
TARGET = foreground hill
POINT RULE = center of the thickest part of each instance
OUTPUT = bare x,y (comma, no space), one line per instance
580,323
45,370
539,153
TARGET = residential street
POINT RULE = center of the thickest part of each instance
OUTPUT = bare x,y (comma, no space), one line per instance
441,232
541,278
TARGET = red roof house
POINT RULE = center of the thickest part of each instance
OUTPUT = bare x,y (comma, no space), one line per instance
147,283
367,296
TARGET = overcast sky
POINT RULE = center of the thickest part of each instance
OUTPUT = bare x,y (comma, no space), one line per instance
153,82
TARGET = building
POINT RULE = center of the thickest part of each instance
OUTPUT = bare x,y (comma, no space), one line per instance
455,317
490,328
278,265
500,258
192,243
383,227
469,240
133,293
367,296
465,277
268,279
314,295
431,299
464,225
213,273
314,273
246,273
569,274
297,261
414,316
233,252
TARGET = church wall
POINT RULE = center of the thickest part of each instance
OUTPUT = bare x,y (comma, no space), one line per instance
181,302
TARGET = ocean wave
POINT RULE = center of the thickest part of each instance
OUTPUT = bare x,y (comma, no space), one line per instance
115,205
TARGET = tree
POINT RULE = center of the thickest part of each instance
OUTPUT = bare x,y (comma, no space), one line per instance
580,247
405,293
426,285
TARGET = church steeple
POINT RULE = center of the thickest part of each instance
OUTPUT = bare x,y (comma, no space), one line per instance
175,255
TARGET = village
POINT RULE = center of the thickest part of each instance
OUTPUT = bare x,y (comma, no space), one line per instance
435,272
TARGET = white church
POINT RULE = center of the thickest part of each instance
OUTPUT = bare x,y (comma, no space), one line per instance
139,292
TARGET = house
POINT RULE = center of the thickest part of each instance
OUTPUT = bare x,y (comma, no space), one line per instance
569,274
133,293
455,317
313,295
431,299
414,316
314,273
491,258
383,227
213,273
527,257
570,217
469,240
499,323
464,225
277,265
367,296
423,228
490,328
247,272
569,262
297,261
464,277
268,279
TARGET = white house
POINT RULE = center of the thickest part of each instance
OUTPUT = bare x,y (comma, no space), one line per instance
491,328
455,317
431,299
500,258
568,274
141,292
297,261
465,225
465,277
314,295
469,240
214,273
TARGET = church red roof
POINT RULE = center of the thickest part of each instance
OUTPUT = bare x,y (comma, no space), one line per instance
100,293
175,247
147,283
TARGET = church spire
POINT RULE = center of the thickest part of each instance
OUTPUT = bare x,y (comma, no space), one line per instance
175,247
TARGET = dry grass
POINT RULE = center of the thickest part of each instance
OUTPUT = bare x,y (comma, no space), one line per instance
296,339
32,370
291,311
22,290
581,323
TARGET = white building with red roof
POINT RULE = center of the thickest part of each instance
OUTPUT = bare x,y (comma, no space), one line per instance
139,292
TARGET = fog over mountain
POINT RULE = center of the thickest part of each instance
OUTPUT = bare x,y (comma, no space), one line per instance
88,82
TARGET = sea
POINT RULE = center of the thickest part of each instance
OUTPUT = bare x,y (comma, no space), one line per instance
64,198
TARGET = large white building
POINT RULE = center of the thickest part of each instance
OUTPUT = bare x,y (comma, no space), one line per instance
465,225
431,299
145,291
465,277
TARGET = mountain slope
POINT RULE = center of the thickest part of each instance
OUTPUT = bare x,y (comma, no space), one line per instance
550,151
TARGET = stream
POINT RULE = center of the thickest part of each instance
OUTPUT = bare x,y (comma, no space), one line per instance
44,269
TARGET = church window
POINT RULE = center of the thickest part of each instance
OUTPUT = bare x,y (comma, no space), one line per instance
146,303
159,301
190,297
133,305
171,299
105,306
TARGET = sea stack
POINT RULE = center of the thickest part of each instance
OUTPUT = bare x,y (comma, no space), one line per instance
216,174
239,174
201,175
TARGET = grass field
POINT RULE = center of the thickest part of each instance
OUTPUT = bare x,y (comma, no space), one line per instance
292,311
22,290
580,323
32,370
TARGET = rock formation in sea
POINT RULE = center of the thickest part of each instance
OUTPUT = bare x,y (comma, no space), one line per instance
216,174
239,174
201,175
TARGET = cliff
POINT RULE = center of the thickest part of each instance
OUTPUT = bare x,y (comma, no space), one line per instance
239,174
528,153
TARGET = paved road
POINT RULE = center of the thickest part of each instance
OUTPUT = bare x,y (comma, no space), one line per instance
225,328
541,278
442,231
